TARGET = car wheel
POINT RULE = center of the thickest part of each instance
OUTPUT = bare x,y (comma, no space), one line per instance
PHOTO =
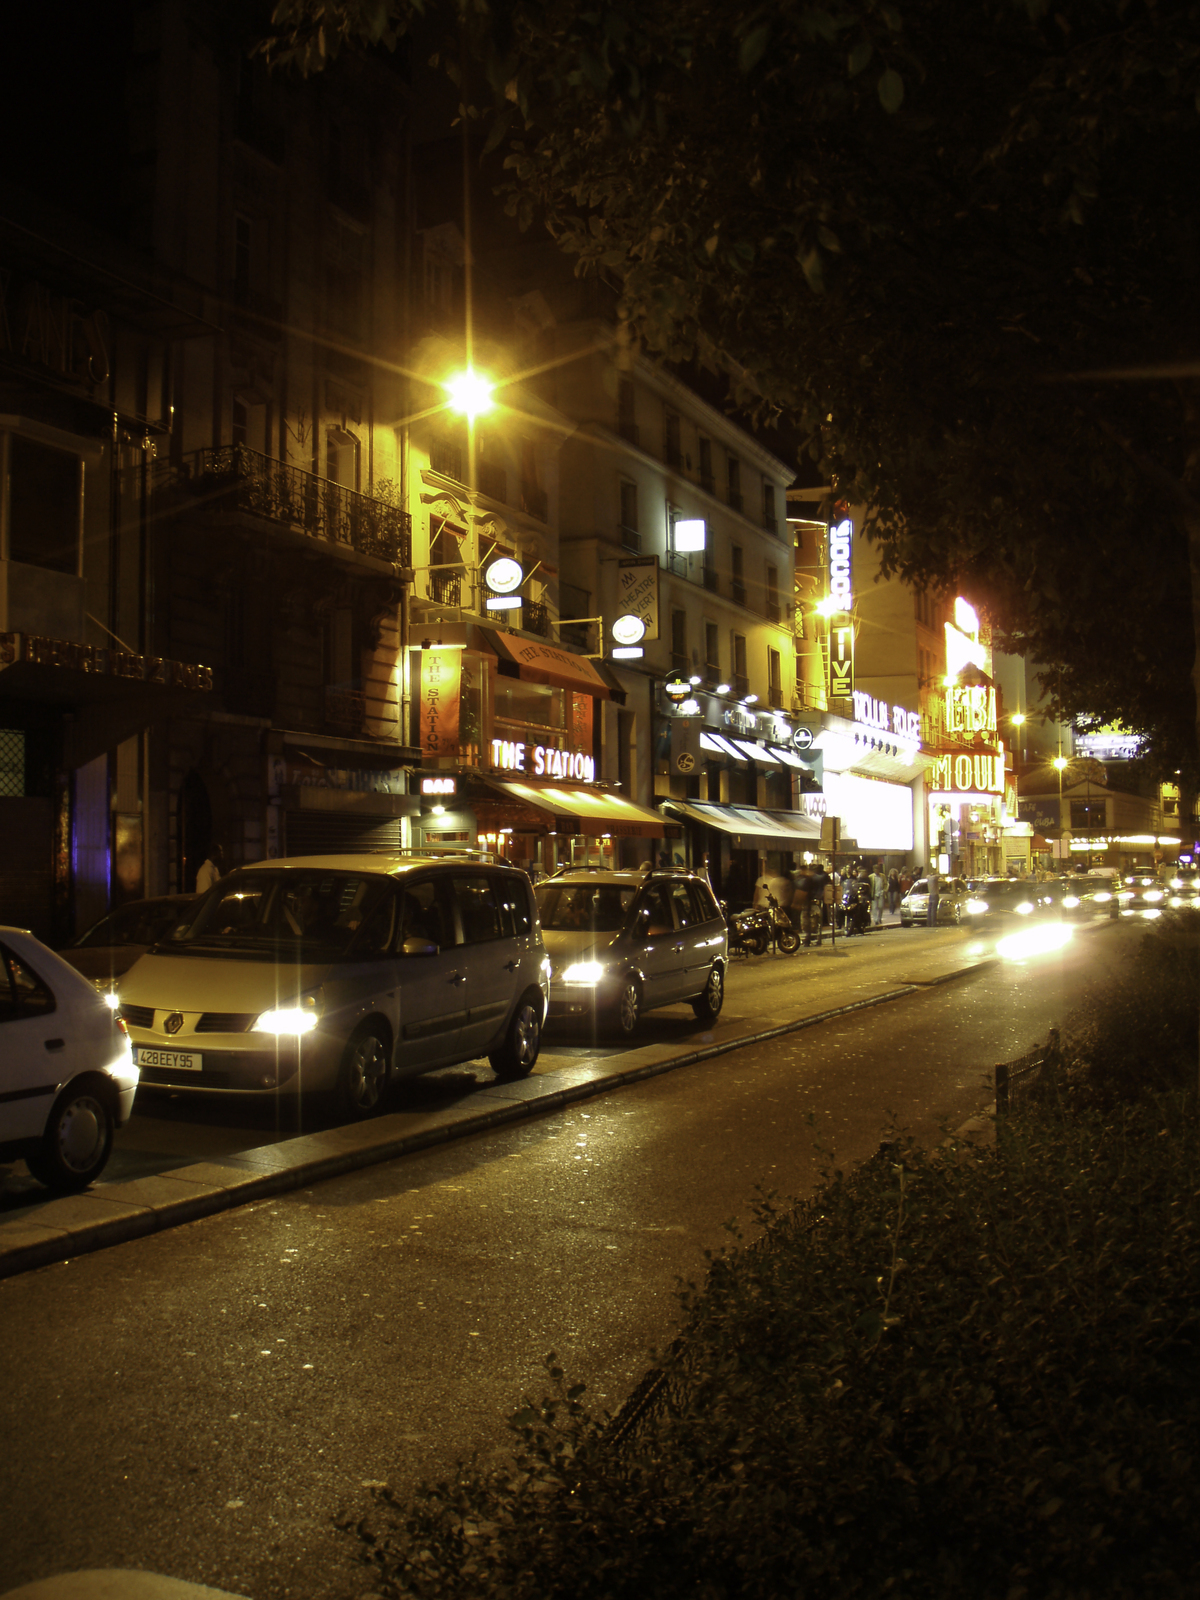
516,1056
77,1141
626,1013
363,1075
708,1003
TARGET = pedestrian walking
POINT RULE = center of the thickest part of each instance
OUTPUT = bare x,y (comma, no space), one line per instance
814,908
893,891
931,909
878,885
210,869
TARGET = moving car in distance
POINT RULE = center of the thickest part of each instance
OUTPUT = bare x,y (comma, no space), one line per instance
1010,900
622,943
109,948
67,1077
1183,888
338,974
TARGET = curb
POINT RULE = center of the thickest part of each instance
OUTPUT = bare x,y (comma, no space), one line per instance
78,1224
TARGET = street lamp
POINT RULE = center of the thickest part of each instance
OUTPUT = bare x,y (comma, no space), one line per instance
1060,766
469,393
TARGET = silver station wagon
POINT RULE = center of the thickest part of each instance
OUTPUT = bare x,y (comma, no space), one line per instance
338,974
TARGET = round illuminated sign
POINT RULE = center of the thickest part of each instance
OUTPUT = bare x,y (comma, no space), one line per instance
802,738
685,761
677,687
629,630
504,576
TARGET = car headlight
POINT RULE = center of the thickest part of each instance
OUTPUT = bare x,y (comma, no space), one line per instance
976,908
1103,895
1024,908
1070,901
1153,894
294,1020
588,972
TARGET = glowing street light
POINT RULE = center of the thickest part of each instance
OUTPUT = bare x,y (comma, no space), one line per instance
470,393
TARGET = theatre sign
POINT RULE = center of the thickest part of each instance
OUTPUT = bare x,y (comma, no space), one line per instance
966,775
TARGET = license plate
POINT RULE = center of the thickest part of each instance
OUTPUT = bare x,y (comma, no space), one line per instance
176,1060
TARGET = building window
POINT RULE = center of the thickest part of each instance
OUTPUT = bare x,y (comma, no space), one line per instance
733,469
349,185
45,495
712,654
772,594
344,282
490,475
241,423
774,679
769,522
737,558
707,481
630,536
679,653
12,761
1088,818
341,458
533,496
626,415
446,457
672,447
741,680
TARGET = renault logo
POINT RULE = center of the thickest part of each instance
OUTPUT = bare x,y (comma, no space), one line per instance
174,1022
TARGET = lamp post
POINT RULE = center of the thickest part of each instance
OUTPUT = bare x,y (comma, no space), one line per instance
1060,766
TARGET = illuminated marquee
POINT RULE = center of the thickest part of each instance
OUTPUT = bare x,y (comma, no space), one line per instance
841,537
970,709
543,761
841,662
896,720
964,775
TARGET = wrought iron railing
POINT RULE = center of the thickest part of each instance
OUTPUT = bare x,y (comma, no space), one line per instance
238,479
445,588
535,617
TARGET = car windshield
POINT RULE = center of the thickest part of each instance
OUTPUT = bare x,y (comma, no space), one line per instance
584,907
314,915
142,923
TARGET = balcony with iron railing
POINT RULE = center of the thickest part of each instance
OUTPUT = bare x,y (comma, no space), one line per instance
444,588
535,617
235,479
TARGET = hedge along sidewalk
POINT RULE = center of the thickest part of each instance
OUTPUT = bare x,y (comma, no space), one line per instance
113,1213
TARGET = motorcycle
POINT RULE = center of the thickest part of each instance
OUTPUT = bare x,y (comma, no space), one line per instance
856,907
749,931
783,934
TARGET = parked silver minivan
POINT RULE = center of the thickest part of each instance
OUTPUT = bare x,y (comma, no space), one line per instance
340,973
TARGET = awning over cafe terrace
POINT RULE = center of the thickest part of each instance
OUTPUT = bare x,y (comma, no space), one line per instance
749,828
547,663
576,810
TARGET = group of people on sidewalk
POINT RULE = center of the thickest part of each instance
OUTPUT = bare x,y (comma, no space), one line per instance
857,900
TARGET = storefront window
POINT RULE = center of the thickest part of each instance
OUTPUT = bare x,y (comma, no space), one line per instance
526,705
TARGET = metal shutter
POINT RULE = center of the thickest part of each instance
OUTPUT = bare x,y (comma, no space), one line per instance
338,833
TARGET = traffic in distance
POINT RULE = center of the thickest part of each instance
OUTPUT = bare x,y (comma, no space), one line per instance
337,976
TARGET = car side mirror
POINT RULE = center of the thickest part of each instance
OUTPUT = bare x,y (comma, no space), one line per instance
419,947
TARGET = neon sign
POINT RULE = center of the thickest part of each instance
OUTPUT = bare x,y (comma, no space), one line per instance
438,786
543,761
840,588
970,709
965,774
896,720
841,662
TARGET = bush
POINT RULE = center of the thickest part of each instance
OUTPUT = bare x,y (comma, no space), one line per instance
958,1372
1140,1036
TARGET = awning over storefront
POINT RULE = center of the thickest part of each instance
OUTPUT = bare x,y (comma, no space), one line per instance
547,663
585,811
750,828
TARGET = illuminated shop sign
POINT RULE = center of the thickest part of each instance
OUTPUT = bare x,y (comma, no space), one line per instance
1108,744
542,761
841,537
841,662
970,709
896,720
967,775
439,786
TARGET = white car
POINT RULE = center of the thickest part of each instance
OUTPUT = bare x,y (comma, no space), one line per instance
67,1078
338,974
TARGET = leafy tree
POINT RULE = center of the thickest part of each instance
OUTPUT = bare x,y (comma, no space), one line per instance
909,229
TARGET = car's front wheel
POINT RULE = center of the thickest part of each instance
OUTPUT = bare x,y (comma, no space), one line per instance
627,1009
517,1055
708,1003
78,1139
363,1075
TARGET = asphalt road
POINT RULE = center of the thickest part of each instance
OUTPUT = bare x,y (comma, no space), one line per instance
204,1402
